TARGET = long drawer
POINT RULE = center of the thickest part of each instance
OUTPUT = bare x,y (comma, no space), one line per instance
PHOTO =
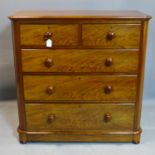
48,117
84,87
80,61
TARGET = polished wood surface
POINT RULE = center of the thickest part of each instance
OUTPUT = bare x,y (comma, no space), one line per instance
84,14
141,79
80,88
18,75
80,61
78,136
79,117
97,35
62,34
79,74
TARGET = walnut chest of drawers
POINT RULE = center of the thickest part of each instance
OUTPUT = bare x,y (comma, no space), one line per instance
79,74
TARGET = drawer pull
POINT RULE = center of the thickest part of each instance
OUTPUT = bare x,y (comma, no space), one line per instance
48,35
50,90
107,89
50,118
107,117
108,62
110,35
48,62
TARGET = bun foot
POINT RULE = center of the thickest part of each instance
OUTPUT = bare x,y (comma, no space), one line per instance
22,136
136,137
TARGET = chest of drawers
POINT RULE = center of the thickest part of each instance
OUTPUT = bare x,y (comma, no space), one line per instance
79,74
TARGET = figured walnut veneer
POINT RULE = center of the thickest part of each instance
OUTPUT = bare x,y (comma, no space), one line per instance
80,88
80,61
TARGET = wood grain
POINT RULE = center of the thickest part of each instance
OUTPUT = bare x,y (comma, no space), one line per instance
141,77
80,88
126,36
78,136
63,34
81,14
79,61
18,75
79,117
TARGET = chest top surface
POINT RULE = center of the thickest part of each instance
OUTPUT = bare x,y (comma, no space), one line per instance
90,14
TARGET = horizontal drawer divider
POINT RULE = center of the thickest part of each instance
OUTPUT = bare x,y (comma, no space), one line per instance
25,47
80,73
82,102
89,48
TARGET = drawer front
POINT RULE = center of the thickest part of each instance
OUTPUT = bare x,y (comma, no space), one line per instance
61,34
105,88
47,117
79,61
111,35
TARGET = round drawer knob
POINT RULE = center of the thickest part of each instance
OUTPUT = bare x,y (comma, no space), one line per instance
107,117
107,89
47,35
50,118
50,90
48,63
110,35
108,62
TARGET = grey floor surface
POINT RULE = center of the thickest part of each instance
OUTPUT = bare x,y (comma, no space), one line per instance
9,144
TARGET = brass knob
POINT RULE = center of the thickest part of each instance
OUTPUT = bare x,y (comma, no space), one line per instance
47,35
50,90
107,89
107,117
48,62
110,35
50,118
108,62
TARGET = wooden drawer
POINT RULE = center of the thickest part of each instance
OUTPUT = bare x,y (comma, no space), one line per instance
62,34
95,87
107,117
79,61
111,35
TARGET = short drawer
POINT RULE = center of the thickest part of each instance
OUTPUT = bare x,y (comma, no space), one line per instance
106,117
84,87
61,34
111,35
79,61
